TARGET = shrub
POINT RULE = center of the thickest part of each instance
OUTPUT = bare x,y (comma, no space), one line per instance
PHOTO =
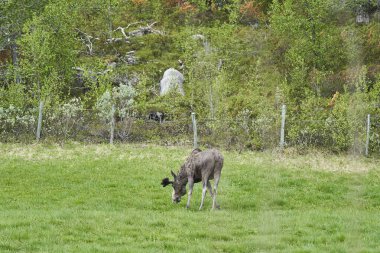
16,123
66,120
117,105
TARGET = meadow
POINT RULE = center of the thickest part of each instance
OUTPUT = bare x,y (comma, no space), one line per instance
102,198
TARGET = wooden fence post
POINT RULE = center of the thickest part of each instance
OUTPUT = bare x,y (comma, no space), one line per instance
39,125
368,134
282,132
194,130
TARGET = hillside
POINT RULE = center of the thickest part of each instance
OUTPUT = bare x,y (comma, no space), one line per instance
240,61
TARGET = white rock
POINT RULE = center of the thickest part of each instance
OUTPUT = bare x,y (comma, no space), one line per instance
172,79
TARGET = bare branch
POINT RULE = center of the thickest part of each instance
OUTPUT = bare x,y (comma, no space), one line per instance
141,31
145,30
87,40
113,40
123,32
92,73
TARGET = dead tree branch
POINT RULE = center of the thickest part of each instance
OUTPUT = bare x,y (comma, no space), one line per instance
87,40
141,31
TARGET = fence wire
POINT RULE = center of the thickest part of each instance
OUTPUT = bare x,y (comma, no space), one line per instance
258,133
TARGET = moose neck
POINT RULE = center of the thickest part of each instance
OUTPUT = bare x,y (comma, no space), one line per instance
182,176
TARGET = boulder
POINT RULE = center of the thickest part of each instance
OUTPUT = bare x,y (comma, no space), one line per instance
172,79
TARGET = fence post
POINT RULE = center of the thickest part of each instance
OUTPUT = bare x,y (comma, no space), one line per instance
112,127
282,132
39,125
194,130
368,134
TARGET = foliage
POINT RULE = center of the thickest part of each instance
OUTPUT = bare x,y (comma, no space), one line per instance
339,125
13,95
65,121
47,57
118,104
105,107
307,44
241,60
124,96
15,121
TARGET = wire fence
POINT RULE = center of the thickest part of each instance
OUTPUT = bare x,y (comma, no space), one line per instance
278,130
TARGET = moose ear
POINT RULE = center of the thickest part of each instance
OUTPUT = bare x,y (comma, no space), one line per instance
166,182
174,175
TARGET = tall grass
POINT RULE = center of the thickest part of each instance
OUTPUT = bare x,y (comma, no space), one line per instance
102,198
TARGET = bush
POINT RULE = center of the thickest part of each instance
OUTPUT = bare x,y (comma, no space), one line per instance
340,127
16,123
64,121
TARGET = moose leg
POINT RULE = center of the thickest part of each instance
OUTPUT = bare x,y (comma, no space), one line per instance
191,185
210,189
216,182
204,189
212,194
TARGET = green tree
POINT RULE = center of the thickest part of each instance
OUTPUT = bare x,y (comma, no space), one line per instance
308,47
13,15
49,50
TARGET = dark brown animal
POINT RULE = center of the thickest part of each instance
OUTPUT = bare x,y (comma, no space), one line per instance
200,166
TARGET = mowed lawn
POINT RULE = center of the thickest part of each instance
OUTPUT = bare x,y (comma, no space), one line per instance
101,198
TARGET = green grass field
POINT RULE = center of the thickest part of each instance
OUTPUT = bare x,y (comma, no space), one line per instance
102,198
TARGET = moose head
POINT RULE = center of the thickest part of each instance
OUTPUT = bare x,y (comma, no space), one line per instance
179,187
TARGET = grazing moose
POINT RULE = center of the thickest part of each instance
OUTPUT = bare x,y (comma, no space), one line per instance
200,166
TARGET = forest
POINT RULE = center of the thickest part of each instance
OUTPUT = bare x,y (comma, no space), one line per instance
99,62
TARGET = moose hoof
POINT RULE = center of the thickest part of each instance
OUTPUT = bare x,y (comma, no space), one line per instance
216,207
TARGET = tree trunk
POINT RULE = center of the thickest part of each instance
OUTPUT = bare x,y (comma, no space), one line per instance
14,52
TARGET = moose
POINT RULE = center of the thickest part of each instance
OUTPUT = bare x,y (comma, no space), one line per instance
200,166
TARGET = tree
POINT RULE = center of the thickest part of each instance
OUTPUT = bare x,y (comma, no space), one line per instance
49,50
118,103
308,47
14,14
